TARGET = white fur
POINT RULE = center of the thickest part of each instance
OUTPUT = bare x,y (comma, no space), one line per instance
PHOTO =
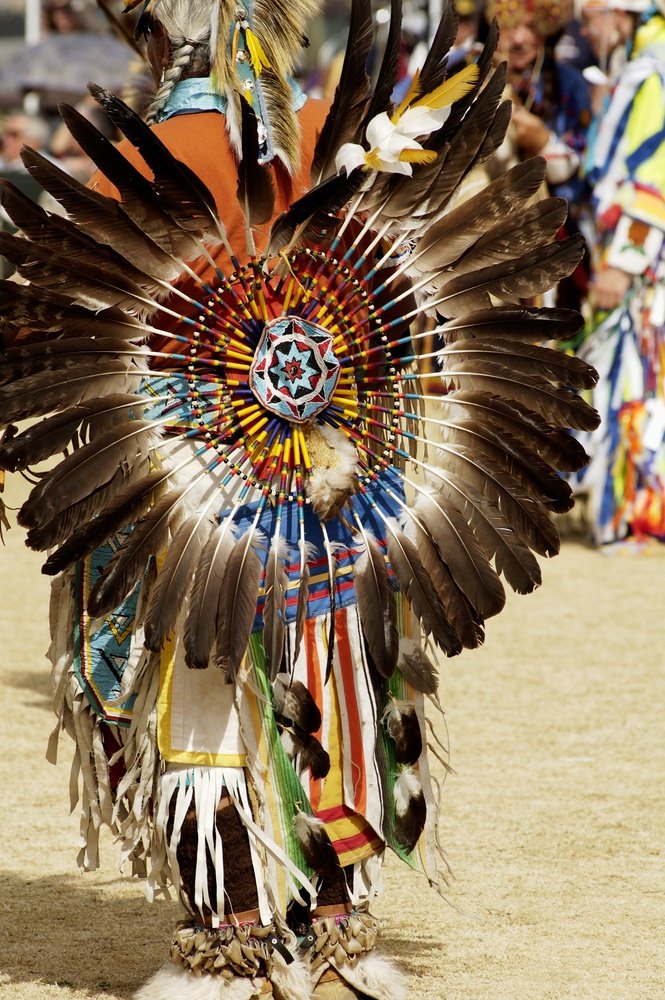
290,982
375,977
172,982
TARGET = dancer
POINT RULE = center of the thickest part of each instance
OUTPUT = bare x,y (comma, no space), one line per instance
264,521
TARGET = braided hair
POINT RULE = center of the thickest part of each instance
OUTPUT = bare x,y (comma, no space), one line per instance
188,25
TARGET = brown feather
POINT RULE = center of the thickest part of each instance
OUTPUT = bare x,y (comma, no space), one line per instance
459,550
526,515
533,324
557,405
401,721
84,470
44,392
201,621
237,604
174,580
557,448
465,620
149,537
376,606
416,667
415,583
294,702
54,434
531,274
83,534
494,532
274,607
534,476
351,96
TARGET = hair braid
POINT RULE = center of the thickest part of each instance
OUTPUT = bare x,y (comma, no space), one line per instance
182,56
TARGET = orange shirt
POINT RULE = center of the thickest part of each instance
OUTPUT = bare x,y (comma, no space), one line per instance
200,140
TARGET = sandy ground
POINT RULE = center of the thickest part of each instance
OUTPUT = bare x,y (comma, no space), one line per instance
553,820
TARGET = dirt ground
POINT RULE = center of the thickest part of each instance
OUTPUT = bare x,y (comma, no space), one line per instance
553,820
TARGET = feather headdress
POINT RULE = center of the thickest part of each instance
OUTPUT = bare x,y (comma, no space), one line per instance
277,419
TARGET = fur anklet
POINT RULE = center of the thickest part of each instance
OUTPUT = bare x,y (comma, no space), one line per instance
244,950
339,940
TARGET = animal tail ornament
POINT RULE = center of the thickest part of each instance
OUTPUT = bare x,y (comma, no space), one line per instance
271,444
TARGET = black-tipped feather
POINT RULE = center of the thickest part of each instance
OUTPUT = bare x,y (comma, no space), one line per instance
351,95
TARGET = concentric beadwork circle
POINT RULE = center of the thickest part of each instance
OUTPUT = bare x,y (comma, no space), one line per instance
295,370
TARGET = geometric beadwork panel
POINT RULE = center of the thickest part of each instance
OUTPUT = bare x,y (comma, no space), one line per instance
295,370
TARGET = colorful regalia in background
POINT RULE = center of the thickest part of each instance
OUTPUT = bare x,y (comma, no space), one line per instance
625,480
265,523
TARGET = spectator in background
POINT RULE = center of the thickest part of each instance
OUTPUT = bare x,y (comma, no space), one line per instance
626,342
19,130
551,107
62,16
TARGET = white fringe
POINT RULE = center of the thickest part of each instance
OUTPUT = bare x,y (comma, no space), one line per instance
172,982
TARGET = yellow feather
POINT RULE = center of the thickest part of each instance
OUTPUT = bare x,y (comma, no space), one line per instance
418,155
410,95
450,90
257,56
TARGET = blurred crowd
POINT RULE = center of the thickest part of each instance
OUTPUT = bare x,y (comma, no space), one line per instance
587,86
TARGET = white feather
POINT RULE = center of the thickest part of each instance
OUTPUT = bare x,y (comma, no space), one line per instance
407,787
